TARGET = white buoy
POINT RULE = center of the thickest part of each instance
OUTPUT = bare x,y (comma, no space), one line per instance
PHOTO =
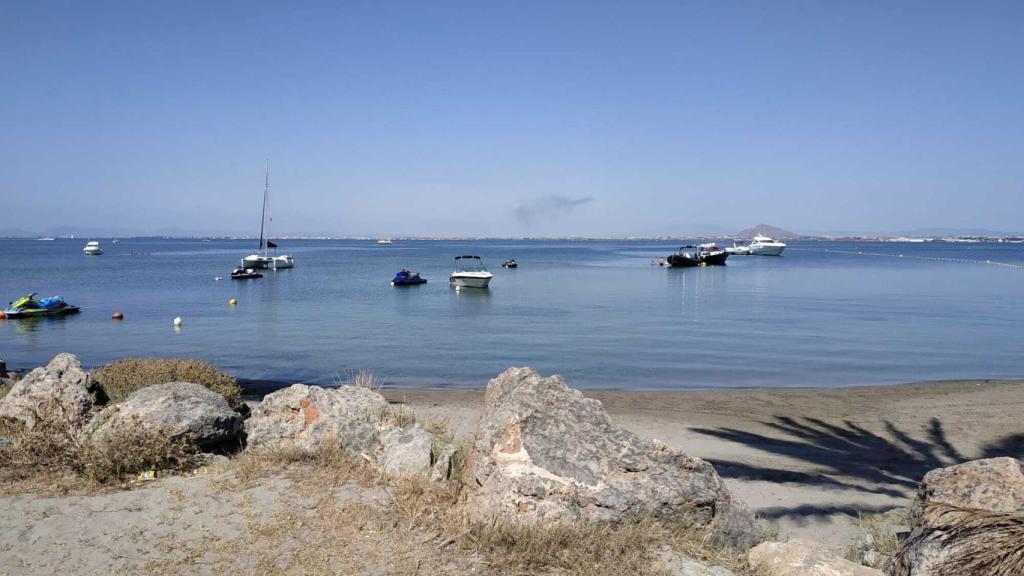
177,321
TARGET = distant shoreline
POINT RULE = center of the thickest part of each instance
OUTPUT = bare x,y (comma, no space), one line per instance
949,239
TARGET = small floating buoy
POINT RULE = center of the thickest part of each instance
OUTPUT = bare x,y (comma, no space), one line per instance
177,321
2,315
218,278
117,316
232,302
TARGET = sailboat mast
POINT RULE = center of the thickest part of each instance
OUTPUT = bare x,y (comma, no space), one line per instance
263,216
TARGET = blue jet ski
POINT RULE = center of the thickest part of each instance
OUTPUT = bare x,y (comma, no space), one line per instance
406,278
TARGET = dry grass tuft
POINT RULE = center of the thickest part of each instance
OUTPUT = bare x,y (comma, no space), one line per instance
5,387
879,535
361,379
52,458
570,549
120,378
329,465
976,542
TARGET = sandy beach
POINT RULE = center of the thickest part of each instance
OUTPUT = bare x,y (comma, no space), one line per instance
810,459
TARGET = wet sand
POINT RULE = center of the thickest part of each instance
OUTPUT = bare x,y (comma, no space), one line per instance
810,459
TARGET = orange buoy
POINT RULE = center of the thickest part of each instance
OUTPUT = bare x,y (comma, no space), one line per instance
117,316
2,315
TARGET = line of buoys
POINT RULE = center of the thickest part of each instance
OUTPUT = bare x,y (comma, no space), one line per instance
117,316
932,258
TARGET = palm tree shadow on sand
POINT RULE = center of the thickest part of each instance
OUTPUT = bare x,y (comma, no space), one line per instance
850,457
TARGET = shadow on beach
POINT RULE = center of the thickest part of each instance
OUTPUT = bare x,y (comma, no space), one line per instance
848,456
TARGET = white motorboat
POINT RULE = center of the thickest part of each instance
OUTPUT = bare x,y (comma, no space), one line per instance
765,246
470,273
384,241
738,249
261,260
92,248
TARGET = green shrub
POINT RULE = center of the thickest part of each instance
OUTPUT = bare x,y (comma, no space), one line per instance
119,379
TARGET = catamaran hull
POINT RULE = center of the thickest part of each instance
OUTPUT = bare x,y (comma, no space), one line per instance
268,262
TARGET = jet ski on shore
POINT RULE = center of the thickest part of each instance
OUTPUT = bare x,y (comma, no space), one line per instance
29,307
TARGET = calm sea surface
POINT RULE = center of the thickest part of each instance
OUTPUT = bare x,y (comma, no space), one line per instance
596,312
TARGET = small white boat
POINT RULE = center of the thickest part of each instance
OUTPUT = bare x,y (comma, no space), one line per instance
92,248
384,241
470,273
738,249
261,260
765,246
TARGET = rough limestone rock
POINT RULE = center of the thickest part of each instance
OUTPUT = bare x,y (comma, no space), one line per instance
442,468
55,394
994,484
803,558
309,417
967,519
406,451
676,564
179,409
543,452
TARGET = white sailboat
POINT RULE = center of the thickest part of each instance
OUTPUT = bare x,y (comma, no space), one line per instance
261,260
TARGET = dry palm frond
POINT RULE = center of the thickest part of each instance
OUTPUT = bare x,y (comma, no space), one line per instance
972,542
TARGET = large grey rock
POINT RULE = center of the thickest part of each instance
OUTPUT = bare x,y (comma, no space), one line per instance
967,519
543,452
57,394
179,409
676,564
994,484
309,417
803,558
406,451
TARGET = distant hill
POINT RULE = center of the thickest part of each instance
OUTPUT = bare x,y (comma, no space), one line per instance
766,230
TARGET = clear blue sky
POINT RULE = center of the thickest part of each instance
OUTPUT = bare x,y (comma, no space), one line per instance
516,118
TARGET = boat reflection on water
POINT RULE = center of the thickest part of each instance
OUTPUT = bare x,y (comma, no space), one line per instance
26,326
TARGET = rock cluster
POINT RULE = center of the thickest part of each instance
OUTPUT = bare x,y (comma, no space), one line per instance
545,453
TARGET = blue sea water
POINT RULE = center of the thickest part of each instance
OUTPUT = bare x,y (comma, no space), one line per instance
597,312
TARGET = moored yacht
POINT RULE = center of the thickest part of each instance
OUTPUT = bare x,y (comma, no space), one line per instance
261,260
765,246
703,255
92,248
470,273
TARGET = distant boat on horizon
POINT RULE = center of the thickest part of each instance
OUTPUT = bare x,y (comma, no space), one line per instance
46,239
384,241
